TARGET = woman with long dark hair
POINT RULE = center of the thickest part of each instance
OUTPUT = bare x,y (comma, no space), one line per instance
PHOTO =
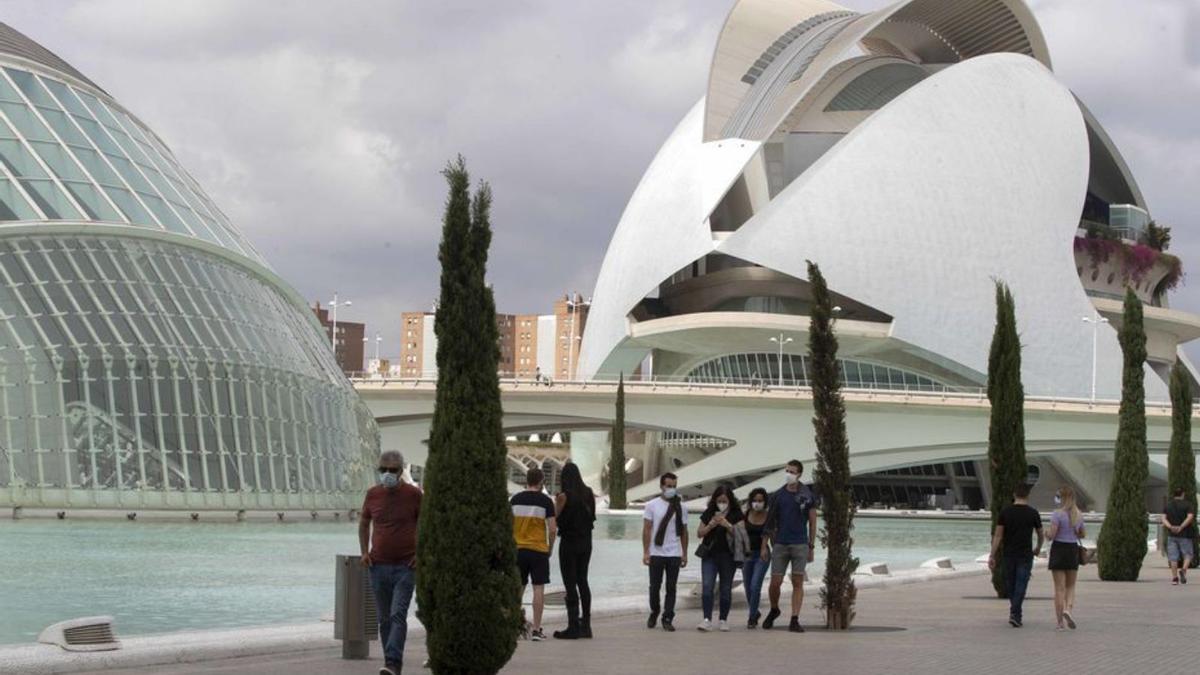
723,545
575,507
754,570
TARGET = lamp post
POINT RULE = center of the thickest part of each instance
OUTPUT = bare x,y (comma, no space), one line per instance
781,341
333,305
1095,330
378,339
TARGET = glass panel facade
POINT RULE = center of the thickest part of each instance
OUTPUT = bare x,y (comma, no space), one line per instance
99,164
762,368
141,366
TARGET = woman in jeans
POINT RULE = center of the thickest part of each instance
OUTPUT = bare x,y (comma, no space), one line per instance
754,570
1065,531
575,508
723,545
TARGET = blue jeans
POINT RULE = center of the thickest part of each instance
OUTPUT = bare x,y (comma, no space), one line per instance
754,571
717,565
393,586
1016,580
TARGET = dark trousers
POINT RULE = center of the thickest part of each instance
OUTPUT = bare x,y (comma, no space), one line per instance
659,565
717,565
1017,570
393,586
574,554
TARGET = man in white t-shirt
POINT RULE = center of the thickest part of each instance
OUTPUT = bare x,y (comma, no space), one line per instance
664,547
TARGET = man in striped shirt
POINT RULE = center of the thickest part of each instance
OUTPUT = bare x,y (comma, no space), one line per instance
534,530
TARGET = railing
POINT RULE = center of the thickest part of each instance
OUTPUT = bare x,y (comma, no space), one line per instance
667,383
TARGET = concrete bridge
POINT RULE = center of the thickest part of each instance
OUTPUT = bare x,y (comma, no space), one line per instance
767,426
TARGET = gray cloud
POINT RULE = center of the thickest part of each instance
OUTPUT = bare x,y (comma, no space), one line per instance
320,128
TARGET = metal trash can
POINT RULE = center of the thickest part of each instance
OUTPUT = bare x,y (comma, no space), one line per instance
355,619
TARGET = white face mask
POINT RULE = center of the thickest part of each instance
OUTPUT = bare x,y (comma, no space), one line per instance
792,478
669,493
722,506
758,506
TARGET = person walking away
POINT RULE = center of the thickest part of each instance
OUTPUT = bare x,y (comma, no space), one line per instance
387,541
534,531
723,544
1012,547
575,507
791,520
664,548
754,569
1065,531
1180,520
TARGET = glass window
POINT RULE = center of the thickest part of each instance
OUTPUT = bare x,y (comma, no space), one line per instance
58,159
63,127
133,210
160,209
19,160
29,85
13,205
90,199
94,132
23,119
64,96
101,173
129,173
50,199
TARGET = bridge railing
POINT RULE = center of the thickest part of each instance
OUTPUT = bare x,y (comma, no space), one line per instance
748,385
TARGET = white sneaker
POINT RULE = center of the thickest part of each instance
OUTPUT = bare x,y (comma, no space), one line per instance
724,627
705,625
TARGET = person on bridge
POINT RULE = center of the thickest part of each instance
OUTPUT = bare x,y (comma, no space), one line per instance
534,529
387,540
664,548
754,571
723,545
575,507
791,522
1014,529
1180,520
1066,529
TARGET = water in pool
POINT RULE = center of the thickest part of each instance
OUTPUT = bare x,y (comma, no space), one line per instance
167,576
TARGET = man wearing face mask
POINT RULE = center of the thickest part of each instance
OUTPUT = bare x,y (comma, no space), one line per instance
387,539
791,520
664,548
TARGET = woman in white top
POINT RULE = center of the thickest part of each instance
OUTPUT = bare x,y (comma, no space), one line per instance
1065,531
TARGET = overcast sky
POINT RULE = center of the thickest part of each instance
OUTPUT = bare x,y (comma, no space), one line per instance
320,127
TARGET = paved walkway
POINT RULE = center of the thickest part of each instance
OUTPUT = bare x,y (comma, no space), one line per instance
936,627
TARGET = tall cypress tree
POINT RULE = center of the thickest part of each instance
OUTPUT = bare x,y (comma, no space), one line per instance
616,460
833,458
1121,546
1006,427
468,591
1181,459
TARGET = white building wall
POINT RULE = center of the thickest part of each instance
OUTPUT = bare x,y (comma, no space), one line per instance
545,344
428,348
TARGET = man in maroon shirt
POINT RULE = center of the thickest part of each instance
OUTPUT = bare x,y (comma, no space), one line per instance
392,507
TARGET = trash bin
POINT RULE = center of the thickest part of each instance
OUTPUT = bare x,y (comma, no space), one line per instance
355,620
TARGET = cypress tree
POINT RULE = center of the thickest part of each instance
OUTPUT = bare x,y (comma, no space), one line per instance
833,458
468,590
1122,542
616,461
1006,427
1181,459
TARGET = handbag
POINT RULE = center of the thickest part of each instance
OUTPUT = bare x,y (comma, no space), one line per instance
1083,553
704,549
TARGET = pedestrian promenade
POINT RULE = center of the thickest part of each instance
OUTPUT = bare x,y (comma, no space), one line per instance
949,626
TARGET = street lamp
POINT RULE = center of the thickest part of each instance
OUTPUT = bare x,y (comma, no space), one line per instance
1095,330
781,341
334,304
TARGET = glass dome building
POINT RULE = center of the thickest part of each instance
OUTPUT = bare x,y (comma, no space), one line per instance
149,356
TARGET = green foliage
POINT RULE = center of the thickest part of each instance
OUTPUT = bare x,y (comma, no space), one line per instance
1006,428
616,460
1158,237
1122,543
833,458
468,590
1181,459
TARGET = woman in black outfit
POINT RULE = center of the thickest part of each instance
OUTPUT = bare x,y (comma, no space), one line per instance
575,508
723,547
